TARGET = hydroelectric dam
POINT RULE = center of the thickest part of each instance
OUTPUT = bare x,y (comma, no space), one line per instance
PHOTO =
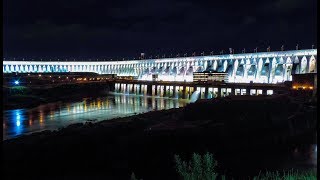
261,67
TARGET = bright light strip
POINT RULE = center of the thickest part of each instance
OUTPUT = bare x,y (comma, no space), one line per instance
164,60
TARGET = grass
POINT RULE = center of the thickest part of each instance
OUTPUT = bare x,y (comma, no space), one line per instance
204,168
290,175
199,168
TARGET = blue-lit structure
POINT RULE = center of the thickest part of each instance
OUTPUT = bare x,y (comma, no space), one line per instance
263,67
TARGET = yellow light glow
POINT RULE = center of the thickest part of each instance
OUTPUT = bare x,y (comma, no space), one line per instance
310,87
294,87
303,87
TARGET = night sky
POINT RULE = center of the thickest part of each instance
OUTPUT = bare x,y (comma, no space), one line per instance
125,28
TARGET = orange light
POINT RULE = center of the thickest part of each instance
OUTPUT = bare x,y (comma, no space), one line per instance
303,87
294,87
310,87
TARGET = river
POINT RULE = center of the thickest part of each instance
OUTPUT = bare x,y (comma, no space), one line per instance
53,116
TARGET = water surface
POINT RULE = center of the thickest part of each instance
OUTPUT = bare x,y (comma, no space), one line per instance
57,115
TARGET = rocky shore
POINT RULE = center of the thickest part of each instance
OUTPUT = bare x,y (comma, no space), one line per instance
246,135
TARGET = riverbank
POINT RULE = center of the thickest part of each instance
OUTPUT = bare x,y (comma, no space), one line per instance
29,97
246,135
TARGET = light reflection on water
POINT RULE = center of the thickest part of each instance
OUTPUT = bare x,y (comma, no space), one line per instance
56,115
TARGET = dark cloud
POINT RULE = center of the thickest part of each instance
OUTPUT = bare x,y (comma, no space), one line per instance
289,5
123,28
249,20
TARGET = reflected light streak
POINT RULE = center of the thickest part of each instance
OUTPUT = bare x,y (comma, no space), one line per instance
41,117
18,123
122,105
85,107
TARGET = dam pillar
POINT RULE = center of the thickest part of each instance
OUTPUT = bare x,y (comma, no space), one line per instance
248,91
206,92
155,89
149,90
233,92
135,88
164,91
132,88
184,92
219,92
264,91
139,90
120,88
124,88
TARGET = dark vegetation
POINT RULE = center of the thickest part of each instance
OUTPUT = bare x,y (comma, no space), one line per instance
203,168
245,134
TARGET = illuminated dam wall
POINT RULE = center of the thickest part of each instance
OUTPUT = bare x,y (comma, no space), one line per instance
262,67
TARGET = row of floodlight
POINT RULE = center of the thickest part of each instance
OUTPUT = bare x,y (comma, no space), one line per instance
143,56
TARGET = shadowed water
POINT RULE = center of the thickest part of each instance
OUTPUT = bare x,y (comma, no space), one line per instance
57,115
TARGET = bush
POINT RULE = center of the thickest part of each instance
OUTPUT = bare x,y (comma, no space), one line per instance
200,168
